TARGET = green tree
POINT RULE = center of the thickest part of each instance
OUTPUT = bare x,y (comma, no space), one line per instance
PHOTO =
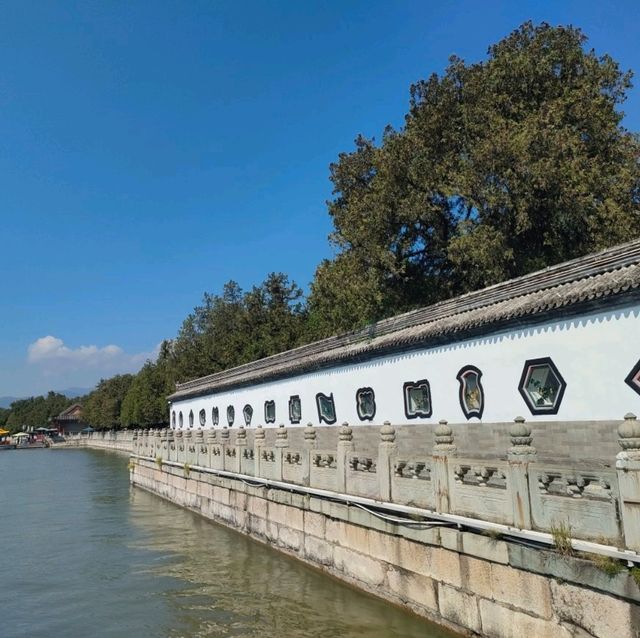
502,167
102,406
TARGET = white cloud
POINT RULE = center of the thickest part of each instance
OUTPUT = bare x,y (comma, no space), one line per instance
51,354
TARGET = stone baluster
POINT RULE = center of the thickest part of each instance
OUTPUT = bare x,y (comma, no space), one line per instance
443,449
145,442
628,470
387,450
345,446
212,440
224,446
282,442
519,455
310,444
158,443
241,446
199,445
258,444
134,442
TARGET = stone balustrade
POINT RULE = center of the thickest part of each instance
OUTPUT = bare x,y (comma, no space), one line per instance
598,501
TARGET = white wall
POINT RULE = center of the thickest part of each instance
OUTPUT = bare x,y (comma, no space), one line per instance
594,354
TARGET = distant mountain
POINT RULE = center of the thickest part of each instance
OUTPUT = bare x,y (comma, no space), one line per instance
72,393
5,402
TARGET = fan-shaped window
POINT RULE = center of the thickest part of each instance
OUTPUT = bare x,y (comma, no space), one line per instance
471,393
542,386
417,399
173,418
366,404
215,416
326,408
202,417
633,378
231,415
247,412
270,411
190,418
180,419
295,409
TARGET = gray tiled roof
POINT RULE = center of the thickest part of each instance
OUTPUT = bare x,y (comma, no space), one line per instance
556,290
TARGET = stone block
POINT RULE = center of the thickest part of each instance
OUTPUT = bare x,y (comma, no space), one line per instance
485,547
600,615
416,558
221,495
413,588
386,547
475,576
257,506
314,524
289,538
358,566
502,622
524,590
334,531
458,607
445,566
319,551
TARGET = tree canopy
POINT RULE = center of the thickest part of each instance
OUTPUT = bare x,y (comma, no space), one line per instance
502,167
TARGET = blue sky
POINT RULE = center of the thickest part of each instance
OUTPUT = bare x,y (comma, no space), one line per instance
150,151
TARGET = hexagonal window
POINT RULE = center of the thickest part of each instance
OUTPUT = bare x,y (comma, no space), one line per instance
633,378
542,386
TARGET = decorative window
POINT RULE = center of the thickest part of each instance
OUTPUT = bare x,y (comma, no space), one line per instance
633,378
190,418
295,409
270,411
173,418
247,412
417,399
231,415
180,419
542,386
326,408
215,416
366,404
471,391
202,417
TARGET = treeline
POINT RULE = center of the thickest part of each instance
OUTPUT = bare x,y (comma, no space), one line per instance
34,411
502,167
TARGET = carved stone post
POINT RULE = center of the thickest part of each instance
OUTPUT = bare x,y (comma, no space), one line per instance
145,442
258,444
442,450
282,442
309,445
212,439
628,469
188,447
345,446
134,442
179,437
387,449
158,445
171,445
241,446
224,446
519,455
199,445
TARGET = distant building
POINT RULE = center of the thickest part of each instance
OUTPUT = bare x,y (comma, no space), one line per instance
69,421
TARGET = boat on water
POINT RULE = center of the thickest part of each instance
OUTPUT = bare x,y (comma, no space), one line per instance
28,441
5,441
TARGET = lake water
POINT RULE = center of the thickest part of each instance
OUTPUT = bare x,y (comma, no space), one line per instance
83,554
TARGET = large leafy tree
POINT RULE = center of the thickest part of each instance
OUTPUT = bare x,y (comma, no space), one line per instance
502,167
101,407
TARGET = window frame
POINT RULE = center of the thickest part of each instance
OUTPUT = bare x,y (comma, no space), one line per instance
474,412
231,415
215,416
322,418
292,398
247,409
539,362
267,404
420,414
361,416
629,379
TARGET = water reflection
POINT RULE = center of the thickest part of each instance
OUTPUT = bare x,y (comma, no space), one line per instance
234,586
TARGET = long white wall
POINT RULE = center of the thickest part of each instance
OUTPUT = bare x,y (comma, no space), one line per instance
594,353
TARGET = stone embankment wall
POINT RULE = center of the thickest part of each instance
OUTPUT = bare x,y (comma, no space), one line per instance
473,583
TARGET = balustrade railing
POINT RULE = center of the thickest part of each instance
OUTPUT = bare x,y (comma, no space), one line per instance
596,502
